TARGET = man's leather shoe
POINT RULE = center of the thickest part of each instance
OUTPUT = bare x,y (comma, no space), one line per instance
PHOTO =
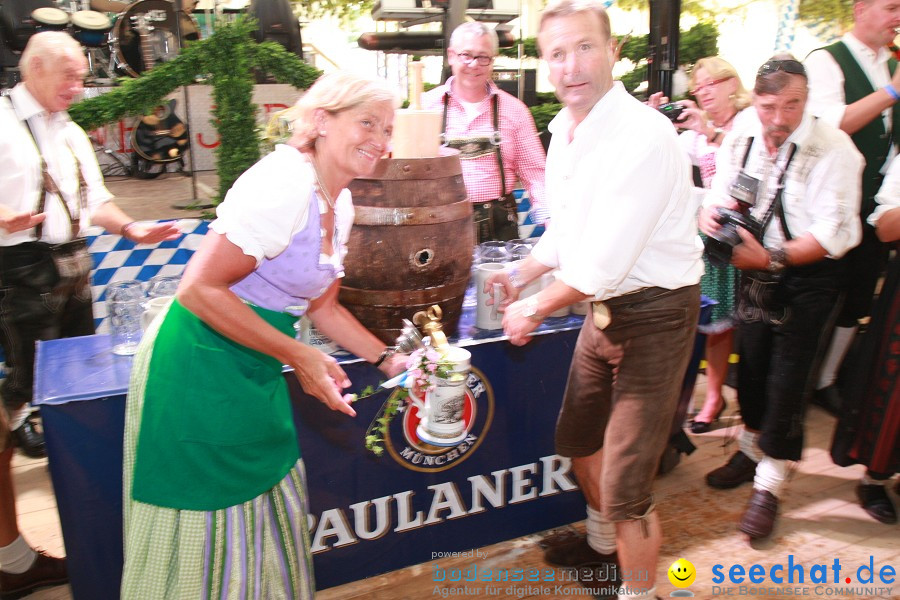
829,398
739,469
29,440
875,501
576,553
46,570
759,518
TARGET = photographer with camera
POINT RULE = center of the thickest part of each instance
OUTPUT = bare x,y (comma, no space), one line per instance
783,206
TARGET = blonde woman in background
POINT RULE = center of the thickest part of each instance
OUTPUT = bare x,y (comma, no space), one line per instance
721,100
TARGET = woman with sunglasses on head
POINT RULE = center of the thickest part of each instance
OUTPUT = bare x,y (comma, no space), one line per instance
721,99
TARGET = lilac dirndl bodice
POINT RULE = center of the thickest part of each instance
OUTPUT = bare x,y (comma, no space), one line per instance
287,282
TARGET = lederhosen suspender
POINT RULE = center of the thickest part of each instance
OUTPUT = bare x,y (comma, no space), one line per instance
48,185
495,139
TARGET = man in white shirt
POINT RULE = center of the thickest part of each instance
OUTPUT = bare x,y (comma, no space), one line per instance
51,190
854,84
799,178
624,236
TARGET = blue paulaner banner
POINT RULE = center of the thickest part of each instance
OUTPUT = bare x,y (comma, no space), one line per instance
419,502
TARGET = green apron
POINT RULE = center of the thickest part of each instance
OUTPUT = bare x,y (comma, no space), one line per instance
217,427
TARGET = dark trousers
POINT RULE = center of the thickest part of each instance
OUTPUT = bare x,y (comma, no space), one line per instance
864,265
778,358
497,220
35,305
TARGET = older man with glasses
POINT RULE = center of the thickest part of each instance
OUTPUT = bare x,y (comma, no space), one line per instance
798,179
494,133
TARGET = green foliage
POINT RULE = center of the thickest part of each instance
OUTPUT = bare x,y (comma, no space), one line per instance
699,41
632,79
543,114
345,10
226,58
377,430
529,48
837,14
701,9
546,97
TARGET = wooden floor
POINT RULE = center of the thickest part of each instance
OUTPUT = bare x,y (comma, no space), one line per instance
820,521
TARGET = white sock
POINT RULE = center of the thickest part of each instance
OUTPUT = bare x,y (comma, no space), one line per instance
770,475
837,350
17,557
748,443
17,416
628,593
601,534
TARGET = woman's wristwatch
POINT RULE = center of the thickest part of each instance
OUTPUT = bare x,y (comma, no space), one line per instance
388,352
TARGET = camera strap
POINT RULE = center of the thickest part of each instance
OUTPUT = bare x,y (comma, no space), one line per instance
49,185
776,207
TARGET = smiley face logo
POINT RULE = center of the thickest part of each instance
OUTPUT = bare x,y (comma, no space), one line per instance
682,573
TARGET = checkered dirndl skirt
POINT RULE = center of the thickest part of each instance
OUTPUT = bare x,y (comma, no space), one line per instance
257,549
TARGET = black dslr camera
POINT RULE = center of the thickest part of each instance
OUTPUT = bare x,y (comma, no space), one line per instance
672,110
720,245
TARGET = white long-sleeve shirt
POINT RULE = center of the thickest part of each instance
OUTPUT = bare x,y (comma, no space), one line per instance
826,82
821,188
620,202
888,197
60,141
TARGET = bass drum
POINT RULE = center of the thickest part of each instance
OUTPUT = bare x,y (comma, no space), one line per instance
154,20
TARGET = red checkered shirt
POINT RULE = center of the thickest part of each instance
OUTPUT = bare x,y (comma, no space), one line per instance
520,147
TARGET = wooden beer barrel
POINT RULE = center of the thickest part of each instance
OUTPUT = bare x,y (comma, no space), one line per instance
411,244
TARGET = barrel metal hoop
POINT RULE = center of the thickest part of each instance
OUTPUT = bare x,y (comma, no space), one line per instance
411,215
395,298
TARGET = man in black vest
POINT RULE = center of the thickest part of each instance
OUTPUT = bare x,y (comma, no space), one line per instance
854,84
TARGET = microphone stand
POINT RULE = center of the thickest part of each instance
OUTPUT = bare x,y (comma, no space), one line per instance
193,202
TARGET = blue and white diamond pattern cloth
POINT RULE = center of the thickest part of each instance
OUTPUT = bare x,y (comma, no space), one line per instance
527,227
117,259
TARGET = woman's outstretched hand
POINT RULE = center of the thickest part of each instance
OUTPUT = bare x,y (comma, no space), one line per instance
320,375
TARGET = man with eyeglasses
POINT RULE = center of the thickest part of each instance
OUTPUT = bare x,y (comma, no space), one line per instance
854,84
494,133
798,178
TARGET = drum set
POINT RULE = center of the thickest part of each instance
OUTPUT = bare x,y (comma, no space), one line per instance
120,39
